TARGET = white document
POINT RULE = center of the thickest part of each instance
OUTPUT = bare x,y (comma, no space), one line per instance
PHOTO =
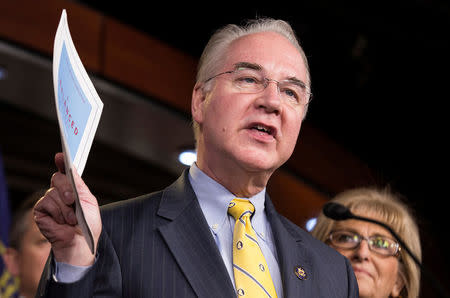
78,107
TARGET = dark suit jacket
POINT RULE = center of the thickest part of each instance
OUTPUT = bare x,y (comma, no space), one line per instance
160,245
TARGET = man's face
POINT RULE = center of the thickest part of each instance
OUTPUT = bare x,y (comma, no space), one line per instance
258,131
32,257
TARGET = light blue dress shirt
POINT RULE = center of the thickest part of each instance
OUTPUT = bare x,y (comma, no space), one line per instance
214,200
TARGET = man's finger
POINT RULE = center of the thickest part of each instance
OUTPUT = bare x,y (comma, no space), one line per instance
67,211
53,231
64,187
52,205
60,163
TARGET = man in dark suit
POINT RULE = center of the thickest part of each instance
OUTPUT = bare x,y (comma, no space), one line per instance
251,95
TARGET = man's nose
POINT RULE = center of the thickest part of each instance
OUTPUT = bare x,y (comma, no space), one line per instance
271,97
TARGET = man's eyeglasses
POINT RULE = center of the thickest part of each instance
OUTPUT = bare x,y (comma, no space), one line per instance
350,240
248,80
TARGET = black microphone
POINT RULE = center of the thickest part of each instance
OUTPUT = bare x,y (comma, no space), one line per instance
340,212
336,211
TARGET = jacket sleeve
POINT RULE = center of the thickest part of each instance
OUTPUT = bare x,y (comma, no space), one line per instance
103,279
353,290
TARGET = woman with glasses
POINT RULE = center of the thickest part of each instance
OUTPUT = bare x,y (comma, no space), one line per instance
381,267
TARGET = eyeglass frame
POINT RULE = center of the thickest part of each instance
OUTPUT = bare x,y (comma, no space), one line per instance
361,238
265,84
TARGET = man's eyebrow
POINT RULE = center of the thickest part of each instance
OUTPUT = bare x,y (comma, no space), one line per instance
296,81
258,67
248,65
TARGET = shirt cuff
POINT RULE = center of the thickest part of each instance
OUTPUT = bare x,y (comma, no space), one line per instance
67,273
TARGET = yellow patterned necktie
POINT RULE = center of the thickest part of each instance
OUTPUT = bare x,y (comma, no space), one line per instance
251,273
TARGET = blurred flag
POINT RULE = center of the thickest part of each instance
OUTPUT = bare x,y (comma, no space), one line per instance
9,286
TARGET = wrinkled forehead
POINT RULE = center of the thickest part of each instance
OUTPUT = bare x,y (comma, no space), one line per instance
277,56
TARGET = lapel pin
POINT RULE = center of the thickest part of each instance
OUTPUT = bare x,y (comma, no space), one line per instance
300,273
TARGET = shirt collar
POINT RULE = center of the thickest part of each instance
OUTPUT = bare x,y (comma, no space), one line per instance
215,198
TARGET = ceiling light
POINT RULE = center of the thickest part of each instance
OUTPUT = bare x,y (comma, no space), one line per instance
310,224
188,157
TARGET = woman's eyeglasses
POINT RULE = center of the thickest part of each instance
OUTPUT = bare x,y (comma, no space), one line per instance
350,240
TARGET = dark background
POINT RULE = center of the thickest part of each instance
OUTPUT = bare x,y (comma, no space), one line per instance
379,76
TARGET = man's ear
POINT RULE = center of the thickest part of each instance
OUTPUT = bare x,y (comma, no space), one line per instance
198,102
12,261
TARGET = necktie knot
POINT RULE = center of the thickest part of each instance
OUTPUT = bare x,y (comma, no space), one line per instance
240,207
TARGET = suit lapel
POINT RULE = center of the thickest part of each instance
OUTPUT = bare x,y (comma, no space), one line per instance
191,242
291,255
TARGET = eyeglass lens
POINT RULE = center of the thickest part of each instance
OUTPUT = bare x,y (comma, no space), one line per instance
350,240
253,81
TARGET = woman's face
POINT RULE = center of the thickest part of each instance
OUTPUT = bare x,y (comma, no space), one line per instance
377,275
